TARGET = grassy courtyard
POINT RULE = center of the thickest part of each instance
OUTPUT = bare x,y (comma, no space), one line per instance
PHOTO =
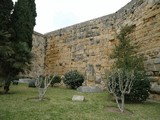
19,105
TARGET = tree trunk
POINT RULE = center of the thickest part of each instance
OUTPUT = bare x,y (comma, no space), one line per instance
7,84
118,105
122,104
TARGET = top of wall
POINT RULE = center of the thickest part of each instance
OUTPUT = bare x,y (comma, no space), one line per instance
127,9
38,34
107,19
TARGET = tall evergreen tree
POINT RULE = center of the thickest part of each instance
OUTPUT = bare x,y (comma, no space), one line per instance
6,49
22,23
6,7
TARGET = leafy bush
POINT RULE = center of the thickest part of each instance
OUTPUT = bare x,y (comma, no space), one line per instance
56,79
32,83
73,79
140,90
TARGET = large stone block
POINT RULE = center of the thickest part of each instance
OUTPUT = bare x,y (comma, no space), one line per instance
155,88
78,98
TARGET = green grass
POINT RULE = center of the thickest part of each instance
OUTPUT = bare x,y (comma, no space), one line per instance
18,106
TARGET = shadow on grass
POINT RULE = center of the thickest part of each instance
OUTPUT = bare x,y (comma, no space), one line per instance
36,99
114,109
9,93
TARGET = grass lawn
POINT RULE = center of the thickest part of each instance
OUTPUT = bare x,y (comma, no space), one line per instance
18,106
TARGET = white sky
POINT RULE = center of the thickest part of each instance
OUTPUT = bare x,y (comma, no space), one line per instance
56,14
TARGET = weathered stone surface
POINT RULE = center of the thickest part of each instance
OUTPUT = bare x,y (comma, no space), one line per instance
154,97
38,51
150,73
78,98
98,79
153,78
155,88
89,89
92,42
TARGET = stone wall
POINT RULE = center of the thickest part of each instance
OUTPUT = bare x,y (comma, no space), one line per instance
86,47
89,44
38,51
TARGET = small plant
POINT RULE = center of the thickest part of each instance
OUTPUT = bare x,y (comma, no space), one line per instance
119,84
43,82
73,79
56,79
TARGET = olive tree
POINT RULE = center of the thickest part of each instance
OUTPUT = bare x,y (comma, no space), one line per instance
42,83
119,84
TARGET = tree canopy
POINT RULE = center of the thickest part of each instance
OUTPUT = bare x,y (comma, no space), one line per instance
125,52
16,29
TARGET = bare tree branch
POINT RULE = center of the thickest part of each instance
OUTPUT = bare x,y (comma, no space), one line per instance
120,83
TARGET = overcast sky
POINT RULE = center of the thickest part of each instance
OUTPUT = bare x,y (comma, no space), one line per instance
56,14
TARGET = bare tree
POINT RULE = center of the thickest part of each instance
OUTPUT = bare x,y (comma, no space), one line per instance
43,82
120,83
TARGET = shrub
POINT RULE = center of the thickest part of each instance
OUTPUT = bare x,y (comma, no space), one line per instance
73,79
140,90
56,79
32,83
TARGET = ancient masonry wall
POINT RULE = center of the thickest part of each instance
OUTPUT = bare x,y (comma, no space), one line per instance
91,42
38,51
87,46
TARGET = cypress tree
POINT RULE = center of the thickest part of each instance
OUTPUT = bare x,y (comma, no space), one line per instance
5,13
23,21
6,49
22,24
6,7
